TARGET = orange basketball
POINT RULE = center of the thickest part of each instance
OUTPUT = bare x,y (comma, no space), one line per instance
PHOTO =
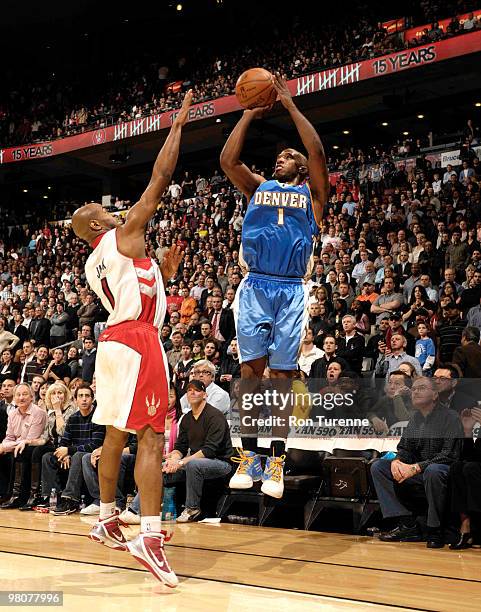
254,88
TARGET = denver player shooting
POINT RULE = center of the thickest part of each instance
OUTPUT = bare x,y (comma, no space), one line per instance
282,218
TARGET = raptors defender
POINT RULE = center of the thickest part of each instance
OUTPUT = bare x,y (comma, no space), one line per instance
131,367
270,307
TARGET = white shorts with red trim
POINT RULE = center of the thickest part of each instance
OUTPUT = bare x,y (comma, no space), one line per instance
132,381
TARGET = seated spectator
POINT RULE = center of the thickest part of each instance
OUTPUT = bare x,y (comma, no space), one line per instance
465,484
91,478
59,407
204,371
25,424
203,449
80,436
468,355
447,378
6,407
430,443
395,406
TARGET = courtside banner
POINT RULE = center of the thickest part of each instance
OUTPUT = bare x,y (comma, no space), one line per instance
308,84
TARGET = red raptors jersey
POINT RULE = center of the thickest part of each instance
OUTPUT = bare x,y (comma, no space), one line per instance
130,289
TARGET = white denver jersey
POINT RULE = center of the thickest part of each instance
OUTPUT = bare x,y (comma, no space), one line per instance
130,289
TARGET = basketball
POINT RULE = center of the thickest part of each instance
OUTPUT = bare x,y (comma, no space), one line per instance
255,88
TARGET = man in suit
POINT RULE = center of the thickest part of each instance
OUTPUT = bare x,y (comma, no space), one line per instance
468,355
222,321
40,328
351,345
402,269
17,328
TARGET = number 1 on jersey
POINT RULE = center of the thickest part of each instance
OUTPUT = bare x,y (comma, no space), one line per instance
280,216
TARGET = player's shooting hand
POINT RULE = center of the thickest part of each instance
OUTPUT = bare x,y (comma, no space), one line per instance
257,113
183,114
285,97
171,261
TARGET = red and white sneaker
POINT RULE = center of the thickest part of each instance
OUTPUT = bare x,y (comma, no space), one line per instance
148,549
108,532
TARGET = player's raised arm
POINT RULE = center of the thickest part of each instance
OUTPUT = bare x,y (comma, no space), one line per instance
236,171
318,174
164,167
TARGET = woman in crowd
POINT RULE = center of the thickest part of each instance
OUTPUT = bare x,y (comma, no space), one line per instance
419,299
360,310
9,369
449,290
73,362
60,408
335,318
42,393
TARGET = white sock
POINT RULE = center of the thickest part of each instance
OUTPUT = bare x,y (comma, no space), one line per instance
150,523
106,510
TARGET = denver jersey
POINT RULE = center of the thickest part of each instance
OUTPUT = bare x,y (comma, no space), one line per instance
130,289
278,229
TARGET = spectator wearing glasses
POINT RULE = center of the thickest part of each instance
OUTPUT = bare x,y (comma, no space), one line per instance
430,443
202,451
204,371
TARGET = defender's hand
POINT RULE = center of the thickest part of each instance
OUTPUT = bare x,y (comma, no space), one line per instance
171,261
183,115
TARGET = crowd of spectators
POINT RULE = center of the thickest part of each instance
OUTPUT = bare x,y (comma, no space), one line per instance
395,293
46,112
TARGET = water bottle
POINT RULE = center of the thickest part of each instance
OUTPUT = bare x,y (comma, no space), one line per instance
389,456
53,500
82,502
169,511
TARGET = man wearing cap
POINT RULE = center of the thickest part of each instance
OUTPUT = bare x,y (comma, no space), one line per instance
368,294
396,327
202,451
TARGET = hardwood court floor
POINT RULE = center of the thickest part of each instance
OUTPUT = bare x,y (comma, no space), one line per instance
231,567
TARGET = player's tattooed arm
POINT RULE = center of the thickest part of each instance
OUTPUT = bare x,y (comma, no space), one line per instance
318,173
